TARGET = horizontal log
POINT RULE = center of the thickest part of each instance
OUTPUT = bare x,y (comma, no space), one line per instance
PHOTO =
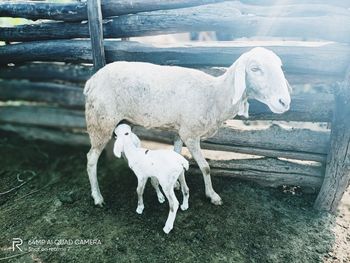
47,71
167,137
269,172
298,57
69,96
340,3
305,107
275,141
79,73
265,171
43,116
223,17
46,134
78,11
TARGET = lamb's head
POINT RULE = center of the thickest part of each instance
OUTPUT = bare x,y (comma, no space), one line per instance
122,135
259,73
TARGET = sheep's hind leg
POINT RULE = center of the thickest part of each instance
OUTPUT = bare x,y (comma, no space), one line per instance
173,207
193,146
99,137
141,183
178,144
155,184
92,159
185,191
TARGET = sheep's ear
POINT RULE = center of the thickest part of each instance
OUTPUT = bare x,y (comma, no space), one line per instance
118,147
244,109
240,74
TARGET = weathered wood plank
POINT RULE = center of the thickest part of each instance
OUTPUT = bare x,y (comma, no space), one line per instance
64,95
265,171
78,73
222,17
53,135
43,116
311,144
312,107
340,3
96,33
168,137
297,57
269,171
337,177
78,11
47,71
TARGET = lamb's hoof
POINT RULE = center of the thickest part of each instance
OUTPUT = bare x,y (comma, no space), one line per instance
167,229
98,200
177,185
161,199
184,207
139,209
215,199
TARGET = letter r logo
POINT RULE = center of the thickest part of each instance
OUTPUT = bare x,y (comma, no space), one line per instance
16,243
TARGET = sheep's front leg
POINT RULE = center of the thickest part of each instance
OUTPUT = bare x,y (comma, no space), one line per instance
178,144
155,185
193,146
141,182
173,206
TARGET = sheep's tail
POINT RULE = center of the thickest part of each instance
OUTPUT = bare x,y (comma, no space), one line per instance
87,87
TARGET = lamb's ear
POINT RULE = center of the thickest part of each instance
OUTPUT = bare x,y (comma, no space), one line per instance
135,140
118,147
240,74
244,109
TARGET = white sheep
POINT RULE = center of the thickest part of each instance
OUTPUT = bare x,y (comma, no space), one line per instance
187,101
166,166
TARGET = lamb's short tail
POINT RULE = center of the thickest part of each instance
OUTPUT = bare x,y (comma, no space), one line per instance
185,164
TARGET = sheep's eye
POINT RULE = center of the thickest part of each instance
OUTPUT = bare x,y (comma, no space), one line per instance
126,133
255,69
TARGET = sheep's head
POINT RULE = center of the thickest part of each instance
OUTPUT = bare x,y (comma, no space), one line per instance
122,134
259,73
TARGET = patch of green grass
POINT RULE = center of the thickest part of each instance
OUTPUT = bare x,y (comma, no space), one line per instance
255,224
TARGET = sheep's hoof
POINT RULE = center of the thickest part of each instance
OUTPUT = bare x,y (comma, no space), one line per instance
184,207
167,229
161,199
216,199
98,200
139,209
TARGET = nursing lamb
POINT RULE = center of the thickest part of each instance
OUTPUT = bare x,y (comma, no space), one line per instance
166,166
187,101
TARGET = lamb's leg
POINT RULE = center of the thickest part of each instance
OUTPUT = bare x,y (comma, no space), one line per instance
193,146
185,191
155,185
173,206
141,182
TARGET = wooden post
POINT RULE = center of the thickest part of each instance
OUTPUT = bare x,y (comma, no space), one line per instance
96,33
337,177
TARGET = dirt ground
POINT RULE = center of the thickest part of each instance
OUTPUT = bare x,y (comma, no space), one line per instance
53,215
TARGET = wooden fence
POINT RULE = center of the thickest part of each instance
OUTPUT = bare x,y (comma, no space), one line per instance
43,67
